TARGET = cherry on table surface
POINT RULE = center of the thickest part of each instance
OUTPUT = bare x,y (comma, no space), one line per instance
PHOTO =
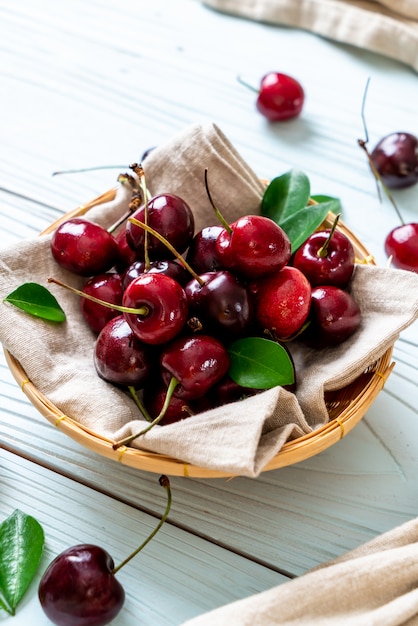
395,157
280,96
401,245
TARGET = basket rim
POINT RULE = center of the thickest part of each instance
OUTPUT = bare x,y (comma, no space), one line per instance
292,452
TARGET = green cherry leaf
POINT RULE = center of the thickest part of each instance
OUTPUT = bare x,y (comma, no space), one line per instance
21,547
285,195
260,363
321,198
302,224
37,301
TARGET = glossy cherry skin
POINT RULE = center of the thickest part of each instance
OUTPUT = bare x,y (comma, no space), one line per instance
257,246
402,245
197,362
334,316
171,217
396,159
106,287
120,357
335,268
280,97
126,256
170,268
166,304
223,304
202,255
79,588
83,247
178,408
282,302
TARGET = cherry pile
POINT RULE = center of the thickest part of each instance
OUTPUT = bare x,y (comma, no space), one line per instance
165,302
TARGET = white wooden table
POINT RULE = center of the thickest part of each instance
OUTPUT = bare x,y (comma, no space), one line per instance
97,82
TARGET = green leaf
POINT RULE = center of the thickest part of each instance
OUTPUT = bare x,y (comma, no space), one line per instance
260,363
320,198
38,301
21,546
285,195
302,224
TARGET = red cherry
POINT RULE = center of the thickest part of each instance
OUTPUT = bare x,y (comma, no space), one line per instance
107,287
253,246
83,247
402,245
165,302
396,159
280,97
334,316
326,258
79,588
197,362
282,302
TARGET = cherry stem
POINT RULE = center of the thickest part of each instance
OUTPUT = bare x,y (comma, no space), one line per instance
88,169
123,309
141,175
163,240
139,404
323,250
164,482
215,208
127,440
243,82
363,144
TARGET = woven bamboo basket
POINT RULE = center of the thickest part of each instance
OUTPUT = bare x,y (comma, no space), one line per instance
346,407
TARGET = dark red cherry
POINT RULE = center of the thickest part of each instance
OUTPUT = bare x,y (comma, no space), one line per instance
396,159
171,268
83,247
154,396
106,287
197,362
227,390
79,588
402,245
202,254
280,97
334,316
171,217
120,357
254,247
165,305
126,256
326,258
222,304
282,302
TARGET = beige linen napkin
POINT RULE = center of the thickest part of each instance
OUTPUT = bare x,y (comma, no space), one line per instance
388,27
373,585
239,439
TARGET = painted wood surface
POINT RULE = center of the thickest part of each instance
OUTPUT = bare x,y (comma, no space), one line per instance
97,83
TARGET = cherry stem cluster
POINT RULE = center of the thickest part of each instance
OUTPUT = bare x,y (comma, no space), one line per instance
127,440
164,482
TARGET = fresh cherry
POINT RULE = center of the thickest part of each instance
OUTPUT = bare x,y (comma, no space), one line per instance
177,409
282,302
326,258
253,246
120,357
280,97
83,247
395,158
107,287
334,316
227,390
171,217
126,256
401,244
170,268
196,362
164,302
222,304
202,254
80,588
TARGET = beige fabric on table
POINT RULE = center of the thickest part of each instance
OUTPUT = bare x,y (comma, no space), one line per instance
240,439
387,27
373,585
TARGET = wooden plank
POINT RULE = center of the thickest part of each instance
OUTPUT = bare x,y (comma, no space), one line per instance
176,576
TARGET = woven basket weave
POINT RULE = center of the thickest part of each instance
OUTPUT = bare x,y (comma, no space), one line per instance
346,407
